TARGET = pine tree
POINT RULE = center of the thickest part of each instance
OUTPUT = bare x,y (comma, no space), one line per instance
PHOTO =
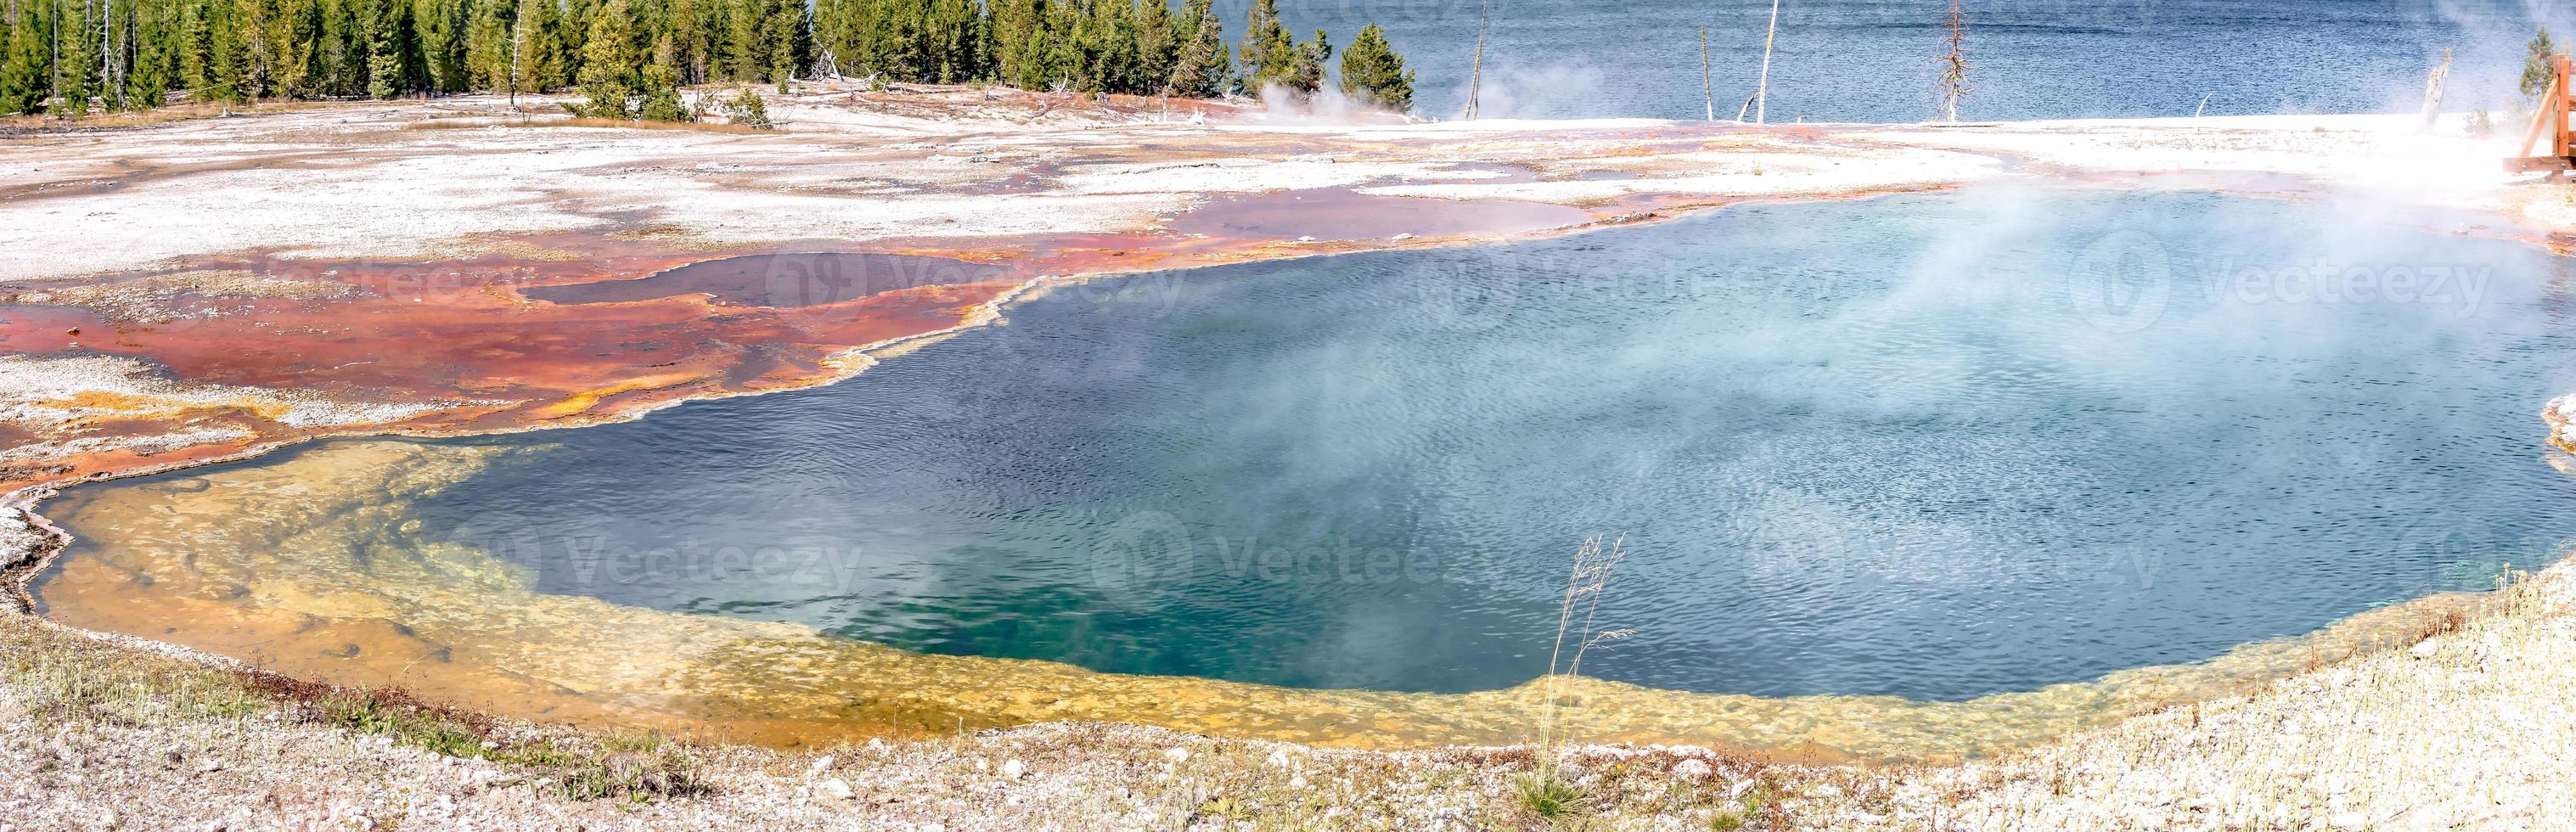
531,43
1108,44
791,41
747,47
693,39
194,47
1157,46
661,100
75,56
487,46
390,47
1060,55
2539,69
609,60
572,30
229,68
147,81
23,84
955,32
1269,52
1014,29
440,26
1373,74
1202,69
342,51
1306,73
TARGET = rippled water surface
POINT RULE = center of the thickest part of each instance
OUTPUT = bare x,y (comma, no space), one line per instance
1873,60
1935,447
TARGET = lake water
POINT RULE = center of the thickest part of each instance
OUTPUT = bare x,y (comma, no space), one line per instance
1856,60
1936,447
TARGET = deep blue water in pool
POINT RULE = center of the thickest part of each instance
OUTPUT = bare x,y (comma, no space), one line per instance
1928,446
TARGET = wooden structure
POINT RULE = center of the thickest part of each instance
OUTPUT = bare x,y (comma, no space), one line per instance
2551,123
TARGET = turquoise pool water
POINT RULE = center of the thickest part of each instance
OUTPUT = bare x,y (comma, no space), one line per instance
1928,446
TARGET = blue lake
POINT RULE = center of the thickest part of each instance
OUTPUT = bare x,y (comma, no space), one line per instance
1872,60
1928,446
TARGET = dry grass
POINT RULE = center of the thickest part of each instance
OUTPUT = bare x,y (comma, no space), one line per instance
84,680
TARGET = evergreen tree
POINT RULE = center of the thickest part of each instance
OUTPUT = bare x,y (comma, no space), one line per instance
2539,69
23,83
662,101
440,26
1059,56
532,41
791,40
487,46
572,30
75,55
1202,68
632,56
1157,46
956,34
1018,38
229,68
609,63
341,59
1107,38
1373,74
147,80
390,42
747,46
1306,73
693,40
1269,52
194,44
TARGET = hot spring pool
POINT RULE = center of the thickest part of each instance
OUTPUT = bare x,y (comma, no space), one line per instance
1933,447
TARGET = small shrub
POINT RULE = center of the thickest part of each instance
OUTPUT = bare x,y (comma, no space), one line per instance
747,109
1549,796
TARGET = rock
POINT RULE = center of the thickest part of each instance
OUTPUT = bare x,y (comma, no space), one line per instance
1692,770
1177,755
821,764
1012,769
1279,758
834,788
2424,649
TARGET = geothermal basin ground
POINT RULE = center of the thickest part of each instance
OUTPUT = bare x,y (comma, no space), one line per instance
540,273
